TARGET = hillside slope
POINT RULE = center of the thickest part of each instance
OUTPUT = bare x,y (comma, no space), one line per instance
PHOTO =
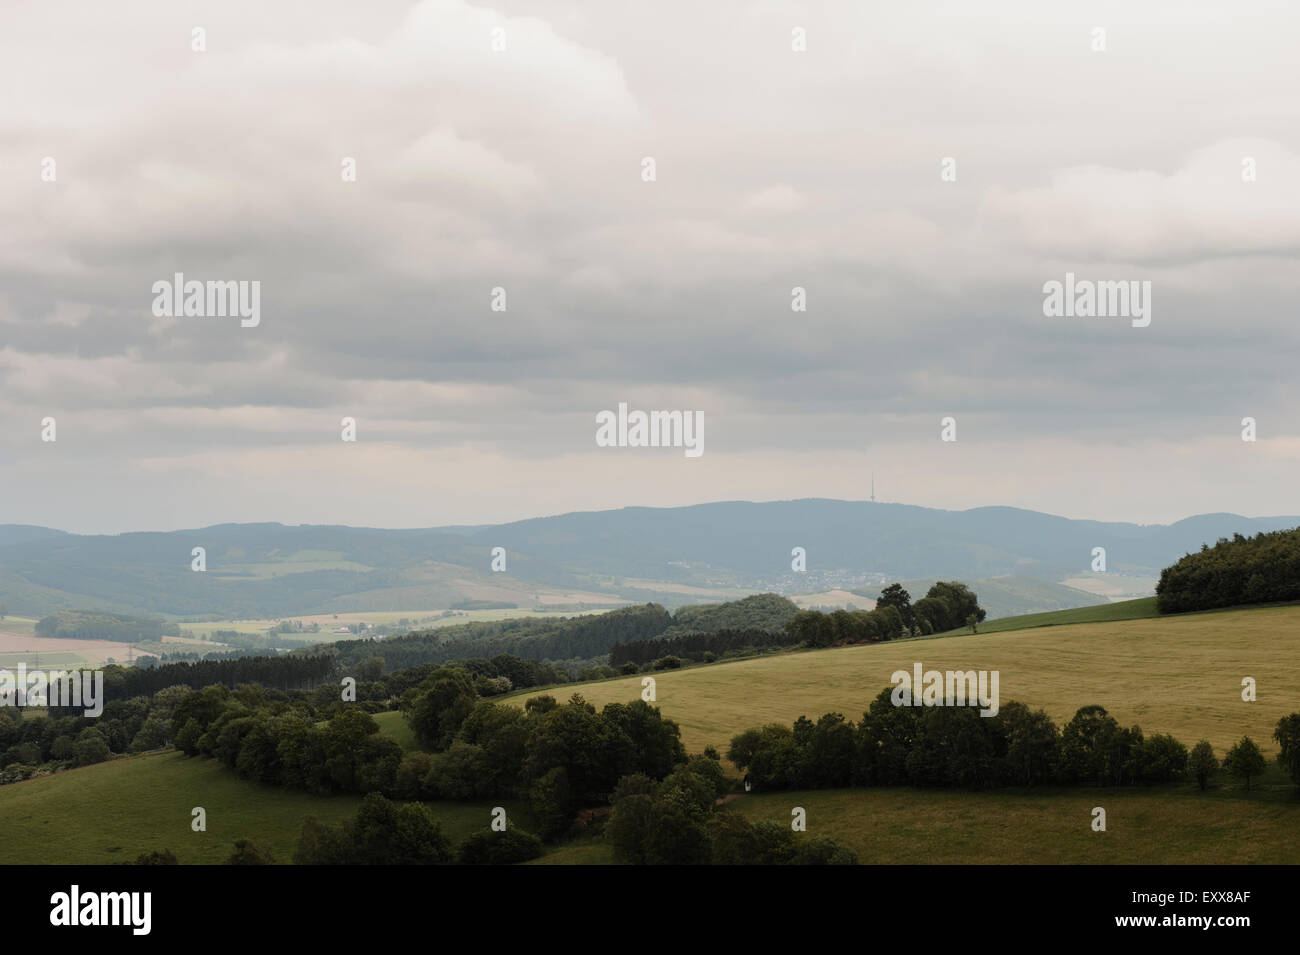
1180,675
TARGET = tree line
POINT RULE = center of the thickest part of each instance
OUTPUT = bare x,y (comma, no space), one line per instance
946,606
1243,570
955,747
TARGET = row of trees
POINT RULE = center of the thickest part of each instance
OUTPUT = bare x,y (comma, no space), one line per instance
290,672
946,606
817,629
1243,570
953,746
560,758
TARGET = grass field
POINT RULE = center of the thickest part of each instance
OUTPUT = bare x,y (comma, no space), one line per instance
1139,609
1155,826
1160,826
1179,675
114,811
392,724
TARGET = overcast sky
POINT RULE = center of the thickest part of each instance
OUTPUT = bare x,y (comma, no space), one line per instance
522,169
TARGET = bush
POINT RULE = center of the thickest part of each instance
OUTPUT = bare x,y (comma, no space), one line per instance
164,857
509,847
383,833
247,853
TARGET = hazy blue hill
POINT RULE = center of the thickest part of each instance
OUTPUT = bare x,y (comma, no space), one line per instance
25,533
268,570
896,539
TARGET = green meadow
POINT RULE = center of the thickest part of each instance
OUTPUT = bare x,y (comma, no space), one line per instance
1157,826
115,811
1141,608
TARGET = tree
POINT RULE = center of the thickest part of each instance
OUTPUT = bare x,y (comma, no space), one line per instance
1084,745
1033,744
153,733
383,833
90,747
1161,758
1203,763
512,846
439,705
813,628
959,601
895,596
1245,760
656,742
629,826
368,671
1287,735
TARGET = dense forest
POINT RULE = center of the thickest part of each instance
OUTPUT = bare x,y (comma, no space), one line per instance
98,625
1243,570
585,638
565,638
700,647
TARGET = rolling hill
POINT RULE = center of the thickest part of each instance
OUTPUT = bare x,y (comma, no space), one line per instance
1176,674
674,556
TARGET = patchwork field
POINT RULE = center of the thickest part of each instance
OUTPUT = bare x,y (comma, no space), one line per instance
419,620
47,652
1179,675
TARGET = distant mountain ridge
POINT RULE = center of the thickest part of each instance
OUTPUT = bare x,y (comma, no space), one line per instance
687,554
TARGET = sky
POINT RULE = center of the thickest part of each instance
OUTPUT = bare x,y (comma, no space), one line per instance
920,171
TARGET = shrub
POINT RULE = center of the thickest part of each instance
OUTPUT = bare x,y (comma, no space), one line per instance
508,847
